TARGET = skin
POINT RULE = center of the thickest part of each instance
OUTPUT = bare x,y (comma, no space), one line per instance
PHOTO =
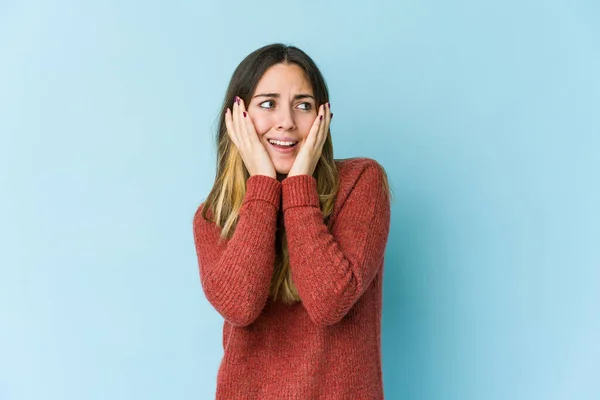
281,106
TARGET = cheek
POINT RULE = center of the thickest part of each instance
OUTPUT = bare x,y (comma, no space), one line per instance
305,123
262,123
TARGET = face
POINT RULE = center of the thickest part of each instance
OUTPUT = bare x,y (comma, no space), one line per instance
283,108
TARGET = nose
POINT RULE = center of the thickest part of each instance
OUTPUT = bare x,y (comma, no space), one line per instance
285,120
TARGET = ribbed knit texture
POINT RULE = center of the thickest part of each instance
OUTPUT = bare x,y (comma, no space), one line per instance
328,345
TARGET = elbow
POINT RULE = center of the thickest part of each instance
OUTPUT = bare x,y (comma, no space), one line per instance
332,309
237,312
323,322
324,315
240,319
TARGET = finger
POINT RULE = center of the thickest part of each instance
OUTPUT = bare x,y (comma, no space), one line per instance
251,134
247,121
245,132
314,129
241,126
241,118
234,116
230,129
326,122
322,124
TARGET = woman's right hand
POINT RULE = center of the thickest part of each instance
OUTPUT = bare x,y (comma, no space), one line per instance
243,135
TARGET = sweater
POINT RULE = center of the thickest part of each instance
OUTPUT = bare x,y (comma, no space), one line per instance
328,346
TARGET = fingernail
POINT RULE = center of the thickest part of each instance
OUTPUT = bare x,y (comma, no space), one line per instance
321,118
244,114
235,99
238,100
328,105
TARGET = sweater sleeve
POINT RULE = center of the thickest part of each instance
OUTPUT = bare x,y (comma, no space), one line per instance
236,274
332,270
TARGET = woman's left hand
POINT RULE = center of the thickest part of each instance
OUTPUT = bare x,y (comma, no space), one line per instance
310,153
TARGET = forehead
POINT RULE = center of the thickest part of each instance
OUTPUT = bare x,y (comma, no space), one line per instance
284,78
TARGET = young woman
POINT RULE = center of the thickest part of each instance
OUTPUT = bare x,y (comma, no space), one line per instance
290,242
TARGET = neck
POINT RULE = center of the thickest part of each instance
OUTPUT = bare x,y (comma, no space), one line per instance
281,177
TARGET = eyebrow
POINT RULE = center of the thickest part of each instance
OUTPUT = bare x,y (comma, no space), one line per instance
276,95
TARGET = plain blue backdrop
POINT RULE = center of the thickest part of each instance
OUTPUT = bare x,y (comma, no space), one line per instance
486,116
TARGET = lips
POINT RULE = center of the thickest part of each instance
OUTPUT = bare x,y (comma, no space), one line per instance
282,142
283,148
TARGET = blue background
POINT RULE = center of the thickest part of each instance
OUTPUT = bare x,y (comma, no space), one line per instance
485,115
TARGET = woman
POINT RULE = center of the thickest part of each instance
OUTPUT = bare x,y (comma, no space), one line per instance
290,242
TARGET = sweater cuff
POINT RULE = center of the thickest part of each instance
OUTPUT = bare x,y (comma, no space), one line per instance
299,190
262,187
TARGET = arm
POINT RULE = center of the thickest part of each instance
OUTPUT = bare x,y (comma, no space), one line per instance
236,273
332,270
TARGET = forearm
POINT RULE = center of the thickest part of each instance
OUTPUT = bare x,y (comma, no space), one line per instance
331,270
236,273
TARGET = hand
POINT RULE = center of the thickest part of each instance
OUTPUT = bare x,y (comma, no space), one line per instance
243,135
310,153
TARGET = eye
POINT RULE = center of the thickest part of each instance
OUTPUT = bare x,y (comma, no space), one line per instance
305,106
262,105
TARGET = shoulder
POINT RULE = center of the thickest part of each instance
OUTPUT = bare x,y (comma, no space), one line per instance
357,163
199,219
351,170
362,175
363,184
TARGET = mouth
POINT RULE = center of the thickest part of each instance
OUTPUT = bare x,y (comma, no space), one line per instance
282,146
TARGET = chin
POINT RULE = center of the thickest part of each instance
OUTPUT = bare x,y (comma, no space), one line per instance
283,168
283,171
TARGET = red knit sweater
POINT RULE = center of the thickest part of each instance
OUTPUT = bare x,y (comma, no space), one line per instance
328,345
